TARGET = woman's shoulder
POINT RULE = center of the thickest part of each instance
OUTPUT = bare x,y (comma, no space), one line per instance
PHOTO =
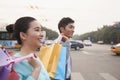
22,66
17,55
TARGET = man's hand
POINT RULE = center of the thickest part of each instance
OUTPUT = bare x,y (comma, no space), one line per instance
64,38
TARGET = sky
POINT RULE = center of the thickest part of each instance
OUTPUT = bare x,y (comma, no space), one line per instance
89,15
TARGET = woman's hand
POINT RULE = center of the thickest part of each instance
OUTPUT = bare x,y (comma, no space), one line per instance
34,63
36,67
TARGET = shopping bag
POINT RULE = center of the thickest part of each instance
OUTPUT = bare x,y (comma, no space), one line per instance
7,62
62,65
54,60
45,54
4,71
12,75
5,66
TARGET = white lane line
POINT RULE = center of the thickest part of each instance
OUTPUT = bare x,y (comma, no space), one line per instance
77,76
86,53
107,76
106,53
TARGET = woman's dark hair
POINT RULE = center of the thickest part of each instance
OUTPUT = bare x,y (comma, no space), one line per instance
63,22
9,28
21,25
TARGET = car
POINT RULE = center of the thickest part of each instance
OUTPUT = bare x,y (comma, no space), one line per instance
116,49
1,46
87,43
76,45
17,46
100,42
79,41
49,42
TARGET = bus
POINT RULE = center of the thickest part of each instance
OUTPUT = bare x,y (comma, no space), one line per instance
6,39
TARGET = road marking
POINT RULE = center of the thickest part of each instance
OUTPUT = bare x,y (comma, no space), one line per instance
106,53
107,76
77,76
86,52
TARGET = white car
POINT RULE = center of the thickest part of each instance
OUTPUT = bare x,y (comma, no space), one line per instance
100,42
49,42
87,43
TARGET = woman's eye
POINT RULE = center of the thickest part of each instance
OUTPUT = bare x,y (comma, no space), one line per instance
37,29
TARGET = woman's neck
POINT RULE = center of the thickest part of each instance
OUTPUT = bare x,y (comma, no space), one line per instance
25,50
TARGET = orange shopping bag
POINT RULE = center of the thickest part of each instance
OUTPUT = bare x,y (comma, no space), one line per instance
45,54
54,60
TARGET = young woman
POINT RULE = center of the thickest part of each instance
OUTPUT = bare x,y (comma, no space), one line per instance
27,31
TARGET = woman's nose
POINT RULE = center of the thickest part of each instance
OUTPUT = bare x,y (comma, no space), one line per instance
43,33
41,36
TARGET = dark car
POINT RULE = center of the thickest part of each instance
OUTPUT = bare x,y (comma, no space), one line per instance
76,45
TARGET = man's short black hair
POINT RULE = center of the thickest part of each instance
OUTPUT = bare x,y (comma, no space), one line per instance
64,21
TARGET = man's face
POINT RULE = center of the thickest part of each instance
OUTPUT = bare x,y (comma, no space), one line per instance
68,30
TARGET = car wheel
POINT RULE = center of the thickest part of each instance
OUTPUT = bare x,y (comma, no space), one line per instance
77,48
117,54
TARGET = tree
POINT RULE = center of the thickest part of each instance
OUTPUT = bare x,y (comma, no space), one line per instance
50,34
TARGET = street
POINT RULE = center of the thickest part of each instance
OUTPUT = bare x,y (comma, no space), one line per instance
95,62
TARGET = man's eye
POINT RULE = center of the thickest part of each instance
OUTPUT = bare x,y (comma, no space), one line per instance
37,30
71,26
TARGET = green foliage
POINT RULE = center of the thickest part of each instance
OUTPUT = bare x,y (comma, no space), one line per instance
50,34
107,34
76,37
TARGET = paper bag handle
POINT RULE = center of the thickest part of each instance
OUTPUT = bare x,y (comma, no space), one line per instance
59,38
19,59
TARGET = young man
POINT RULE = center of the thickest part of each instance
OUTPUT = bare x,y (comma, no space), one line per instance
66,29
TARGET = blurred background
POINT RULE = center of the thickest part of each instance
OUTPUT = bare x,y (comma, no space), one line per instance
95,46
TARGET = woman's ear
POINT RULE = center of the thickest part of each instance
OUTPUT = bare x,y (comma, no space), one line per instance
23,35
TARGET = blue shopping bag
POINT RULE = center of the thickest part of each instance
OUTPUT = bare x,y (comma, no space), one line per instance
61,67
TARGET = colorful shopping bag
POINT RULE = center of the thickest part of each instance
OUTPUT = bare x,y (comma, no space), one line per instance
5,66
7,62
12,75
4,71
45,54
54,60
60,62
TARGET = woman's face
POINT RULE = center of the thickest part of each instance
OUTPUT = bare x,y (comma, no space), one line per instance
34,34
